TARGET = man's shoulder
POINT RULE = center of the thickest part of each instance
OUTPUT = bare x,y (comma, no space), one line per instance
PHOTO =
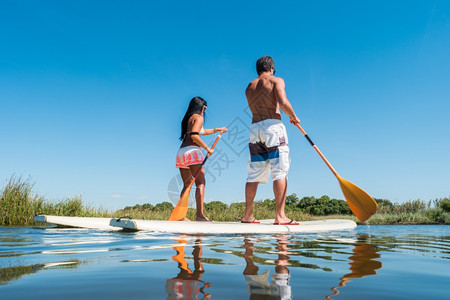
278,82
253,82
271,79
277,79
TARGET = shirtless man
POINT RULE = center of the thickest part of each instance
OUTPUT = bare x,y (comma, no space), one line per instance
268,141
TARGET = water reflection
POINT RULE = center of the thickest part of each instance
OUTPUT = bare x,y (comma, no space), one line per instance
187,284
309,266
258,284
9,274
362,263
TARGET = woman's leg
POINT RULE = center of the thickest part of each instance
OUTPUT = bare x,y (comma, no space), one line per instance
200,191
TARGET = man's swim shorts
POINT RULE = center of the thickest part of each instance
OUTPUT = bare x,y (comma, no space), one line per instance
269,151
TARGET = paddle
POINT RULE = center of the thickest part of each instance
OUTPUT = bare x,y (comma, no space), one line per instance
180,210
361,204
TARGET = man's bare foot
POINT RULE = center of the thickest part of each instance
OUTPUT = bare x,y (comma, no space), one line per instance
254,221
288,222
249,219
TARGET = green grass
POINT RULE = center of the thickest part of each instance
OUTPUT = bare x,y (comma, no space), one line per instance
429,216
19,204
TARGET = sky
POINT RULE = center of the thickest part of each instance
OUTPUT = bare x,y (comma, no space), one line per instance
92,94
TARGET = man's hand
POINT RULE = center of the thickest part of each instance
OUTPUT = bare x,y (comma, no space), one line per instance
294,120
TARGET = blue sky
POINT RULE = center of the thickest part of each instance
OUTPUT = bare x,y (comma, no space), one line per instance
92,94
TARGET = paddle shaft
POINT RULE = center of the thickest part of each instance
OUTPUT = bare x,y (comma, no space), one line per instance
207,155
317,150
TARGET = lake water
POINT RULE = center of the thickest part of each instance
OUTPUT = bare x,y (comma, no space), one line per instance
370,262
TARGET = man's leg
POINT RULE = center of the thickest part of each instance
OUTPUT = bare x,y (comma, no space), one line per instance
250,267
250,193
279,189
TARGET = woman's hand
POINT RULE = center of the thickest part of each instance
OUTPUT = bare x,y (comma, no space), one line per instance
209,150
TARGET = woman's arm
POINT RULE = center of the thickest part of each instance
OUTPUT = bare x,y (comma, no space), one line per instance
199,142
214,130
196,124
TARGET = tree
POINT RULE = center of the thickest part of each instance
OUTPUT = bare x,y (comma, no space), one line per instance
445,204
292,199
163,206
323,206
148,206
268,204
216,206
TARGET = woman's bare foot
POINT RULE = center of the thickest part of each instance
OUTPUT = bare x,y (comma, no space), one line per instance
203,219
184,219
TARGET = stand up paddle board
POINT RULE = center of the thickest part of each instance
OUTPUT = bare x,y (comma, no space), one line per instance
266,226
78,222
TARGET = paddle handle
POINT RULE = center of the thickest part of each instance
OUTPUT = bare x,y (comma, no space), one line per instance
213,145
317,150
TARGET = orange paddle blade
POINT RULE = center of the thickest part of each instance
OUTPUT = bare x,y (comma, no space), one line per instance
361,204
180,210
179,257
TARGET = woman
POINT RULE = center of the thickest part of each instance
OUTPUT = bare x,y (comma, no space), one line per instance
190,156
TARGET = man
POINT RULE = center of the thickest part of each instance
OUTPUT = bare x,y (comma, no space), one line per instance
268,141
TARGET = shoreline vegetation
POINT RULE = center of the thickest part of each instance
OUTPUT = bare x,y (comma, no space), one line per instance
18,206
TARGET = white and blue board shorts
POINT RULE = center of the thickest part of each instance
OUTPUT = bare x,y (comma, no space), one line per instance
269,151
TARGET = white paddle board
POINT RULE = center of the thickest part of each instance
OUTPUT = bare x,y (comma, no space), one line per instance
266,226
78,222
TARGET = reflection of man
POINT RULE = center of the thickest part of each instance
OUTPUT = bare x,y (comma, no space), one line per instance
258,285
268,143
186,284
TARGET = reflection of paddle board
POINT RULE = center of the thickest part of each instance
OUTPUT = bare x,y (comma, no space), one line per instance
94,223
266,226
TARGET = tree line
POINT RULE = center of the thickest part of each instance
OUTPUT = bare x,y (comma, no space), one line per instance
322,206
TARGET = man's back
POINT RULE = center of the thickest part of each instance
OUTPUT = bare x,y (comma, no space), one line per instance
262,100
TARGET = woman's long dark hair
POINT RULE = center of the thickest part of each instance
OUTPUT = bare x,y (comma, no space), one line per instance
195,107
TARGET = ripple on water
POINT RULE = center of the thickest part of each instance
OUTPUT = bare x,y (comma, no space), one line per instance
93,264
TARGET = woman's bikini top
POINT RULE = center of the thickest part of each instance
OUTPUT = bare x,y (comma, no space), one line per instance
195,132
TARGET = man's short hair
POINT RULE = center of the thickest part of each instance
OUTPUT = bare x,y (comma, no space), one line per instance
264,64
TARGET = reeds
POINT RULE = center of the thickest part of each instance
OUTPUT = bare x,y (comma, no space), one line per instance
18,205
16,202
412,212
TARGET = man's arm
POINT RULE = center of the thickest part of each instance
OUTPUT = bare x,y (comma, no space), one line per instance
285,105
